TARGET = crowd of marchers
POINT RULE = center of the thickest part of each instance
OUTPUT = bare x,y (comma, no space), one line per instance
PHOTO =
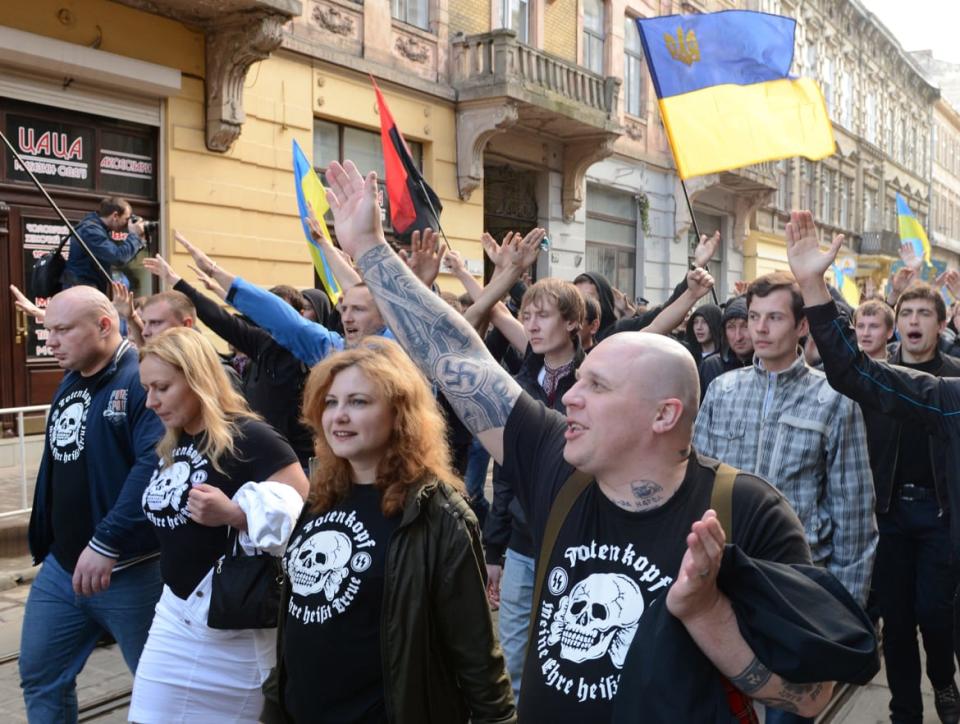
697,510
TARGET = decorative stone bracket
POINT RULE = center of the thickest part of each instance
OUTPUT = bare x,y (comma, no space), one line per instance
743,204
475,126
577,159
232,46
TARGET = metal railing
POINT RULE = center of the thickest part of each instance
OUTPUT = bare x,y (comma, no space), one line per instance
22,446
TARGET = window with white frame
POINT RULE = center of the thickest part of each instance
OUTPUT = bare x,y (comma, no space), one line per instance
336,142
888,132
829,181
846,199
807,173
784,185
515,15
633,76
412,12
846,115
611,236
870,119
827,83
594,34
871,211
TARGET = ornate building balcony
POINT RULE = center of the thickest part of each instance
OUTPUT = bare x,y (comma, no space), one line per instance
502,83
883,243
237,34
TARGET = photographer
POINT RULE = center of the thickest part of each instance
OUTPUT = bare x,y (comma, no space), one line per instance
95,229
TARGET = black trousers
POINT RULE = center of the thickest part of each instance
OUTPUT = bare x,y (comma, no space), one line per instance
915,581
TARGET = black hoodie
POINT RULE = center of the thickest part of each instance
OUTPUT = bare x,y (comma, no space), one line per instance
608,315
712,314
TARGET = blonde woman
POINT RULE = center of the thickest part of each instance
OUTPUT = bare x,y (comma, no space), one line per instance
212,446
385,615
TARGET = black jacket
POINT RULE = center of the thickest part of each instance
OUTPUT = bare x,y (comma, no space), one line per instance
910,396
883,441
273,381
441,660
635,324
716,364
608,314
798,619
506,525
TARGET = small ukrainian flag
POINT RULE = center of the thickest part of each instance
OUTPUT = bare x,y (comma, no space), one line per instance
726,97
310,190
911,231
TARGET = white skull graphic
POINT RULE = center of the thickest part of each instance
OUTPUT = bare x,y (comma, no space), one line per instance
320,563
600,615
67,425
167,486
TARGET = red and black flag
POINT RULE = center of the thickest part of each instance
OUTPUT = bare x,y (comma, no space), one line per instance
413,204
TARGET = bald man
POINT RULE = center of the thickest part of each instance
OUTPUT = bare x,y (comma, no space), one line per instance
639,531
100,556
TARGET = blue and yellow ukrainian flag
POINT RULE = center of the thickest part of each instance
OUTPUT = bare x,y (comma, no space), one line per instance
847,285
911,231
309,189
726,97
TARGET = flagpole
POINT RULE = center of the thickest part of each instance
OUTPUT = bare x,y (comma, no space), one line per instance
696,230
433,211
53,205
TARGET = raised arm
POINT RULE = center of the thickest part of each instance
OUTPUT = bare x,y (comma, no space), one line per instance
308,341
904,393
699,284
340,265
123,303
436,337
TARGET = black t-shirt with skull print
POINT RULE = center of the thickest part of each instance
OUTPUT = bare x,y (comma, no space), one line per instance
188,550
71,513
336,562
608,564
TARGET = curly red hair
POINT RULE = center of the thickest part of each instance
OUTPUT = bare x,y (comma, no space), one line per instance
417,451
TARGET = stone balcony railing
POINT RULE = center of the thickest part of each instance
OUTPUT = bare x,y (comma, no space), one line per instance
886,243
496,63
502,83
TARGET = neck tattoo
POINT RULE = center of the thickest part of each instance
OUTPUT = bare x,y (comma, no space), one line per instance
647,494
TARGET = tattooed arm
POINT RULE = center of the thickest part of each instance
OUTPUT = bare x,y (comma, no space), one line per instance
437,338
710,620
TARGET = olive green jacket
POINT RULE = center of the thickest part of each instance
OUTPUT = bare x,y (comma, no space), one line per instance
441,661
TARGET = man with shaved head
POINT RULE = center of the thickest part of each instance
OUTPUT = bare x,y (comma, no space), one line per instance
100,566
638,531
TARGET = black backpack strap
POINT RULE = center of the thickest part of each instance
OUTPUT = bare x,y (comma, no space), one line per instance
569,492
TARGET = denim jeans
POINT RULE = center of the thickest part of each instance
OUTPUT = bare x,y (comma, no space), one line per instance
915,578
516,594
478,463
61,629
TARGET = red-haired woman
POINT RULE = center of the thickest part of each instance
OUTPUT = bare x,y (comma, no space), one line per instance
385,617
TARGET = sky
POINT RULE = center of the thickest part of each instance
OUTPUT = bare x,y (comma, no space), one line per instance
922,24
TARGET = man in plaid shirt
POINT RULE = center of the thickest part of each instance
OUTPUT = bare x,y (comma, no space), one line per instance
779,419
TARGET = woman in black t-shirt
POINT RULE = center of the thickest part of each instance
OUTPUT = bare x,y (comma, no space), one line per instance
385,616
212,447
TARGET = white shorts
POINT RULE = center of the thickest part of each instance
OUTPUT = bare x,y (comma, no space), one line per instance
189,672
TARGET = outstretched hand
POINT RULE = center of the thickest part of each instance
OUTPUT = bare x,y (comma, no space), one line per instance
158,266
807,262
25,305
122,300
695,590
356,213
909,256
204,262
424,256
209,282
706,249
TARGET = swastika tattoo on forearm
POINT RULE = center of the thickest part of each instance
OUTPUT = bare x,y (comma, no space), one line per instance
440,341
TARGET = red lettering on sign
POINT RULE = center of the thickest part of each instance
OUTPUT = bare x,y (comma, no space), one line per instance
55,144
